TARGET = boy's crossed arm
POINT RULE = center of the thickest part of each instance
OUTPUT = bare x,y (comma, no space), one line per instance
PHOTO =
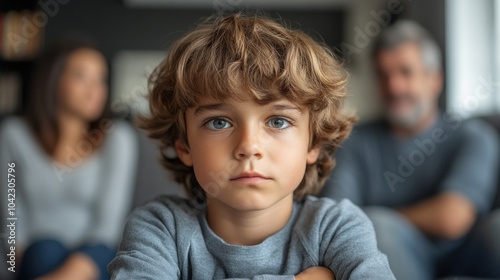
312,273
316,272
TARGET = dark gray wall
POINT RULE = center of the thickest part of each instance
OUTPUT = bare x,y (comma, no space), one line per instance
114,26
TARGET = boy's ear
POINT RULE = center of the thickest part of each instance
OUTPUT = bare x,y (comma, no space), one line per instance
183,152
313,155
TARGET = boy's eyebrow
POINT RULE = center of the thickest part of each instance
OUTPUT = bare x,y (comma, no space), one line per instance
209,107
283,107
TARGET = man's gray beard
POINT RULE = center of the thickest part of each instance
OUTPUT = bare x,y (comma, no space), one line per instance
411,119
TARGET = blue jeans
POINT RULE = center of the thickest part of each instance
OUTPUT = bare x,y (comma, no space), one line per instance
414,255
45,256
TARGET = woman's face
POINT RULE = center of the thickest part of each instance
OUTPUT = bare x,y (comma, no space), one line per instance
83,90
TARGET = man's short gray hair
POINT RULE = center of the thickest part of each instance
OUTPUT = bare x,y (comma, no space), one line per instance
404,31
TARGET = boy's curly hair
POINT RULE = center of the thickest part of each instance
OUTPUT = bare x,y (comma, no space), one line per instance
240,56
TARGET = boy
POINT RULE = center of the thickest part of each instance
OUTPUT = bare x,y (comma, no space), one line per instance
252,111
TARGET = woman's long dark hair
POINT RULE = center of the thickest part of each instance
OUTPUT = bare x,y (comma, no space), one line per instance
42,107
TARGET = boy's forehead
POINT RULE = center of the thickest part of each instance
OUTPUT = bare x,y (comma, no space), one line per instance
210,104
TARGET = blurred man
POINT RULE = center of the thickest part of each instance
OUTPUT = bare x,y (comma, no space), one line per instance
423,177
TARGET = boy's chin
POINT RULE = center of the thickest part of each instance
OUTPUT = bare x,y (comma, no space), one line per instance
252,202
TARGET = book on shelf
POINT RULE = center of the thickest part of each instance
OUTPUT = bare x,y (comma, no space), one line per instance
21,35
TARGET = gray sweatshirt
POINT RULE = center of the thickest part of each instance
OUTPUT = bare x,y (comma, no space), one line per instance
170,239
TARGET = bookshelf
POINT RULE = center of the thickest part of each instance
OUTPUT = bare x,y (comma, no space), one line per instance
21,38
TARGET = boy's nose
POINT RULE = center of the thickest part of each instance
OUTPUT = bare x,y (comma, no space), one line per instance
249,143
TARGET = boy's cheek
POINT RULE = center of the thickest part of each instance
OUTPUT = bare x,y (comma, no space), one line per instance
214,169
212,181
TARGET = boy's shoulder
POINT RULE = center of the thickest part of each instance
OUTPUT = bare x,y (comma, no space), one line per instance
166,211
324,212
325,225
168,205
327,205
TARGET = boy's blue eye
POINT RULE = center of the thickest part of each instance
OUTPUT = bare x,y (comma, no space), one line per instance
279,123
218,124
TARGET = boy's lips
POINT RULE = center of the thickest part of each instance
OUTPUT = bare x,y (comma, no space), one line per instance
250,177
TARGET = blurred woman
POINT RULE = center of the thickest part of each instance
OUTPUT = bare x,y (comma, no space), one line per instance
74,167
